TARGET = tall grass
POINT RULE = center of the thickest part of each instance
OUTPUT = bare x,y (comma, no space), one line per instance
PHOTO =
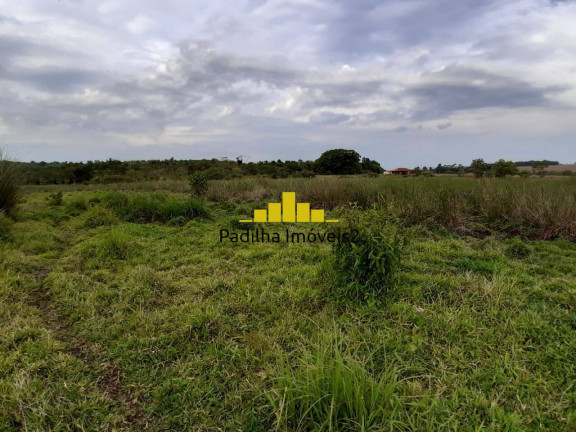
8,184
339,387
534,208
153,207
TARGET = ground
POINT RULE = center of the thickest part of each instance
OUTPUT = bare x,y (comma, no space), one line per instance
116,325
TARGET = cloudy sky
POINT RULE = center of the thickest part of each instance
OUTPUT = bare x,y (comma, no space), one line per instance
406,82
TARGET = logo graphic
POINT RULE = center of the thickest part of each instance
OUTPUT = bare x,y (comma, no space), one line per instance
289,211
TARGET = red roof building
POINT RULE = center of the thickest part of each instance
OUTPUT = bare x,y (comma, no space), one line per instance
400,171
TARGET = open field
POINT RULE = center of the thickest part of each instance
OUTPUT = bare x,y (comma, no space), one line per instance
124,311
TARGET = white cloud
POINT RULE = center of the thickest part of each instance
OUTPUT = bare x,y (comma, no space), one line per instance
105,76
139,24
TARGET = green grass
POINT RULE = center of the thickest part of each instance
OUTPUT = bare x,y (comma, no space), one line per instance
107,324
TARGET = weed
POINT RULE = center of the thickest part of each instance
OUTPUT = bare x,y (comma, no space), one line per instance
367,265
335,387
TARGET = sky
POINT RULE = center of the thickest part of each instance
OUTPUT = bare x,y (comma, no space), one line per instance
405,82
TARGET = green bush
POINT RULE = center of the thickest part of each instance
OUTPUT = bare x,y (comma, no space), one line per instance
9,196
366,266
198,183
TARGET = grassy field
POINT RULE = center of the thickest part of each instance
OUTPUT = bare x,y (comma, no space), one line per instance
124,311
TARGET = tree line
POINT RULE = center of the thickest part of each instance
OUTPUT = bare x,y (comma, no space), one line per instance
331,162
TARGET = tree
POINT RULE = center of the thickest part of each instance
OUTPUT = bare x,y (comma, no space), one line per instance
371,166
83,173
539,167
416,172
504,168
338,161
478,168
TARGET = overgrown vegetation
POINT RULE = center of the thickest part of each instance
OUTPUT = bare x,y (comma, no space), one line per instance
154,207
9,183
366,265
339,388
121,310
198,183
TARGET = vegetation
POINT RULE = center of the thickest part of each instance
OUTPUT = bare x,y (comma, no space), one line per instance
504,168
198,183
478,167
331,162
121,310
367,264
8,184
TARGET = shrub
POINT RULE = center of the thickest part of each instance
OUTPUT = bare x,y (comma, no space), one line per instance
367,265
199,183
55,199
9,196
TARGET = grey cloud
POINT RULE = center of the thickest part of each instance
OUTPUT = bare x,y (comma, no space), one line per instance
53,80
344,94
443,126
329,118
367,27
456,89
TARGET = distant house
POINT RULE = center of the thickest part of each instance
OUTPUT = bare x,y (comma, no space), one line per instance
400,171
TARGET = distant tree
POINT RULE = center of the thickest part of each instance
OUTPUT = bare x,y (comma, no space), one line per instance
371,166
478,168
539,167
339,161
83,173
504,168
416,171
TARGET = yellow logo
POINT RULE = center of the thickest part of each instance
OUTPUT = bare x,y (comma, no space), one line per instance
289,211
